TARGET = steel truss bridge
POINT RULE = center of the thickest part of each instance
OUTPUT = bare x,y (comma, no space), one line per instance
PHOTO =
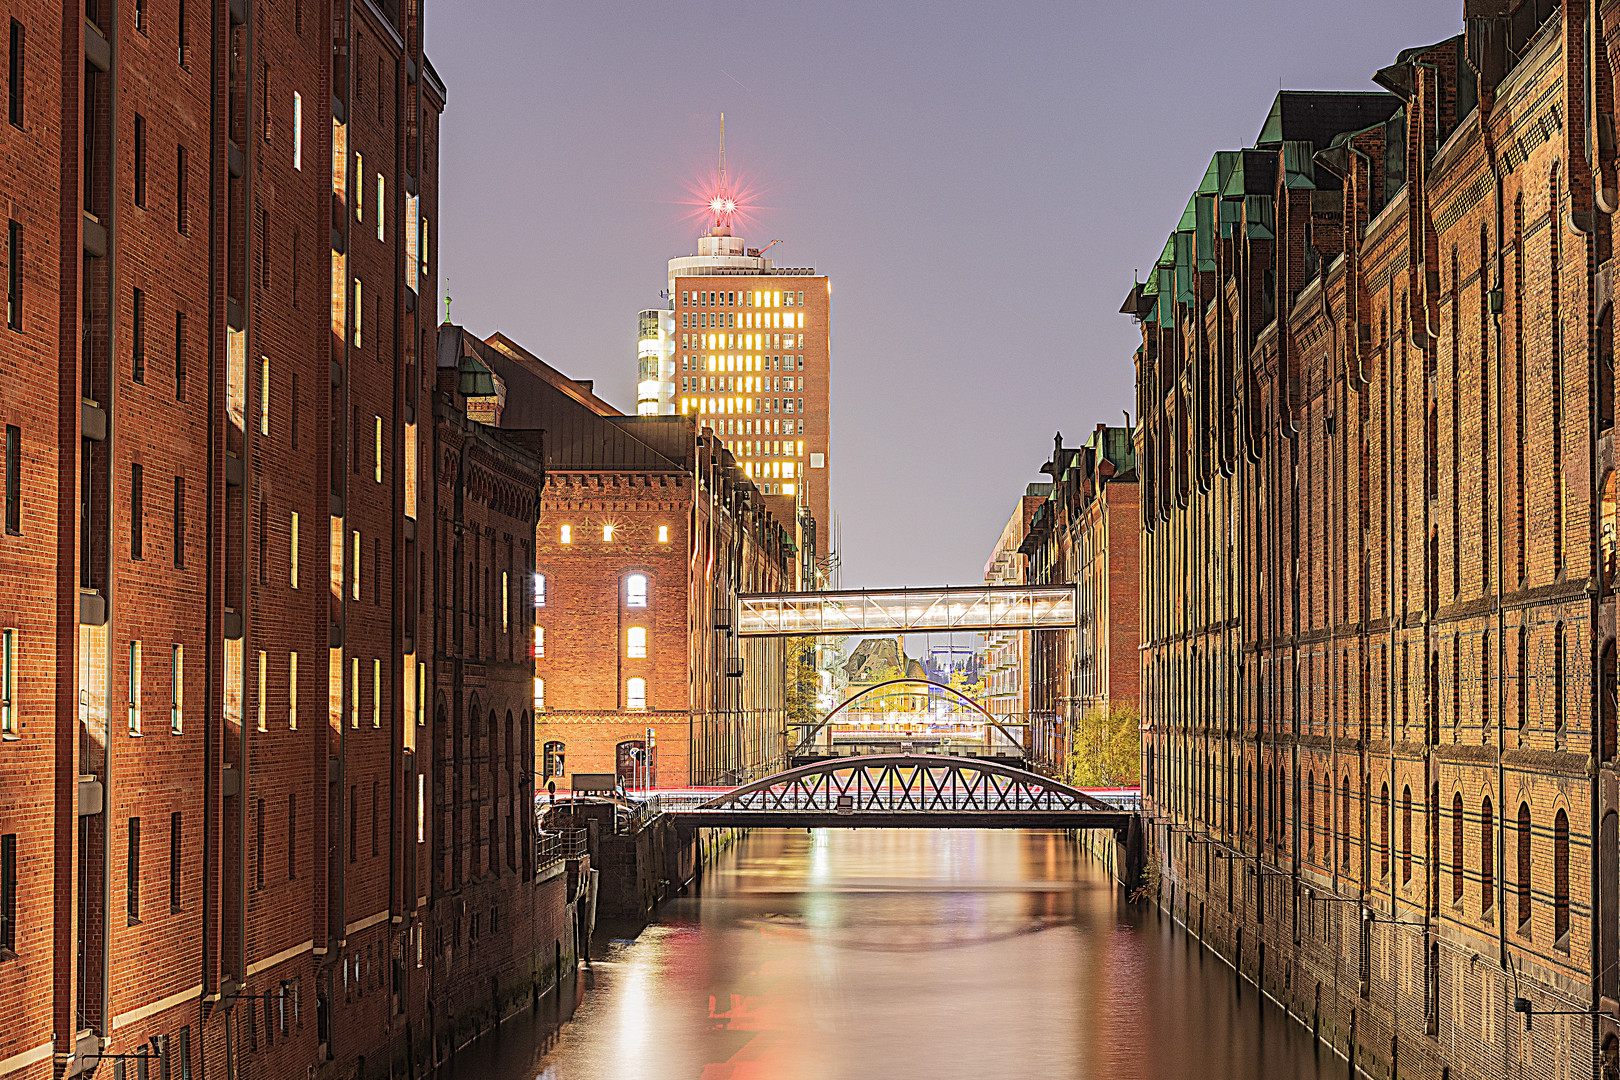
901,611
902,791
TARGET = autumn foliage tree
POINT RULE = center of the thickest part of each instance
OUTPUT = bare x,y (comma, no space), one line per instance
1107,748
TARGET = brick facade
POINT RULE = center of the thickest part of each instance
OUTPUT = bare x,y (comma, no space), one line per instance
1085,533
1375,397
219,326
648,530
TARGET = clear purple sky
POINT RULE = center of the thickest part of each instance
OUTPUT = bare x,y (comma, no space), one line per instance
980,180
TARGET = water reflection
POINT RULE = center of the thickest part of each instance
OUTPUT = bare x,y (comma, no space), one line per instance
900,954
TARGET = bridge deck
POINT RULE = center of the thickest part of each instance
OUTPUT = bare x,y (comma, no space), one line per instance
894,611
722,817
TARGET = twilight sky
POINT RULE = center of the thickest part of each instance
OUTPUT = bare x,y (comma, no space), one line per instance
980,181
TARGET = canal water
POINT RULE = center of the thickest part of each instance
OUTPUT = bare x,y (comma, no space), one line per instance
896,955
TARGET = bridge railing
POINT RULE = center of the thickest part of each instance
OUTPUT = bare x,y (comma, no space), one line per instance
557,846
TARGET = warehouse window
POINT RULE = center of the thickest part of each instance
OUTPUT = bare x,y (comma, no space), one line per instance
262,713
539,642
636,643
132,874
292,550
298,130
1456,848
551,758
178,539
177,689
13,479
137,515
539,590
539,695
1487,857
566,535
174,862
635,694
635,590
134,687
19,69
14,277
138,338
1524,869
182,187
1561,881
8,683
8,893
140,160
292,691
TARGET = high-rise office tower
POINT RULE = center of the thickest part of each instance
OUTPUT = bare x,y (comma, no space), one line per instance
752,357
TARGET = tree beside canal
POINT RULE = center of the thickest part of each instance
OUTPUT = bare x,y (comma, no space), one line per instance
1107,747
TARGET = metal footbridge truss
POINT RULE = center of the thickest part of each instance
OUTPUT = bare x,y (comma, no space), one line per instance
903,791
900,611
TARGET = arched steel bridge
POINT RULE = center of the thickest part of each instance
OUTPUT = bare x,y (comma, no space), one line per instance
999,723
890,791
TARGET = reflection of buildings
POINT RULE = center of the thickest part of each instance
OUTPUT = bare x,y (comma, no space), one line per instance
648,530
1085,533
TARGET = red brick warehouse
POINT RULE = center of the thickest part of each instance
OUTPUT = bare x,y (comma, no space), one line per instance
217,572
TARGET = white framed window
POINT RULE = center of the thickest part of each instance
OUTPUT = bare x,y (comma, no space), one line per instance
264,692
177,689
381,187
539,642
298,130
376,693
635,590
539,694
635,646
635,693
8,683
134,687
264,395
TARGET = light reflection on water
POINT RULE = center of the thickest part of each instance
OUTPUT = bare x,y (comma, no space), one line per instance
902,954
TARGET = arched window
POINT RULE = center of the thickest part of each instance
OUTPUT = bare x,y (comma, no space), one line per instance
1561,880
1456,848
635,590
1524,869
635,693
1487,856
635,646
551,760
539,694
1406,835
1383,830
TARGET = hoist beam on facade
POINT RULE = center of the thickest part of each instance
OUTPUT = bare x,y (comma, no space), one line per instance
897,611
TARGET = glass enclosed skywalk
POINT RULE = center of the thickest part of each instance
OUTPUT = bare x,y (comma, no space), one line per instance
894,611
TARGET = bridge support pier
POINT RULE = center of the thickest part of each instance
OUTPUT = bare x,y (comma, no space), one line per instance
1130,849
